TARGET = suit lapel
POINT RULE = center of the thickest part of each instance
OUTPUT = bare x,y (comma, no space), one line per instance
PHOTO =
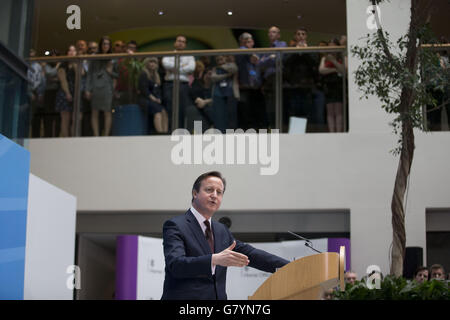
197,231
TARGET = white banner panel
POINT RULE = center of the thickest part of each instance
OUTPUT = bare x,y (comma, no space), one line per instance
50,244
242,282
150,269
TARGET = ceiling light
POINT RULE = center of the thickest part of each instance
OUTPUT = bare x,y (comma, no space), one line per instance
230,13
160,13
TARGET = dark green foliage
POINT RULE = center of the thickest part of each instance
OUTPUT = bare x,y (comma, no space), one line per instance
392,288
387,77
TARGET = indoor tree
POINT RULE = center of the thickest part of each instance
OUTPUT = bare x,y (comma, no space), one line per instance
402,75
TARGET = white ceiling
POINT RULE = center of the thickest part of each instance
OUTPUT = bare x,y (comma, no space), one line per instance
100,17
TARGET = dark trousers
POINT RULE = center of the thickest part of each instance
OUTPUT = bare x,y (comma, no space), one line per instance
184,100
251,109
224,113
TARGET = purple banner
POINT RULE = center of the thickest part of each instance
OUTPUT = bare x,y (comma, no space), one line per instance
334,245
126,267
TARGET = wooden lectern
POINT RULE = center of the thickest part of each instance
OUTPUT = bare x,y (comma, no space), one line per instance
304,279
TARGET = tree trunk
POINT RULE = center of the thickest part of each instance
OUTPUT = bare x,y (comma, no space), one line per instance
407,97
397,205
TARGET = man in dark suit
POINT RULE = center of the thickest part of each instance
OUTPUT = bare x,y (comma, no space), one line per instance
198,250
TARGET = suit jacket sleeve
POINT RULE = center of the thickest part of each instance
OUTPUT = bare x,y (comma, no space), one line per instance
260,259
177,263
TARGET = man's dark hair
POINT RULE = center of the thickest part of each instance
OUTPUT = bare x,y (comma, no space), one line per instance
436,267
132,42
302,29
419,269
181,35
198,181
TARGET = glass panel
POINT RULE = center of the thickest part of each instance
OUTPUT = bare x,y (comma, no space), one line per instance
15,111
146,95
303,93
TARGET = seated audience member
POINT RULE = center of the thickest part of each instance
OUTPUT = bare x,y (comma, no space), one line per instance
331,68
225,93
350,277
201,100
64,97
150,95
328,294
437,272
421,274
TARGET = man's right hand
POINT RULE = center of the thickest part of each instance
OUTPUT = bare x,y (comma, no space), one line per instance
229,258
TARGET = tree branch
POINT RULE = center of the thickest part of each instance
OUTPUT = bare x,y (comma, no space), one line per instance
440,106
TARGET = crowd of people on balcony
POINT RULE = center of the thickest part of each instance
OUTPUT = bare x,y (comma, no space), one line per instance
224,92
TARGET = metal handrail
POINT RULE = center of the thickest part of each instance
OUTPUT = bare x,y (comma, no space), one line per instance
212,52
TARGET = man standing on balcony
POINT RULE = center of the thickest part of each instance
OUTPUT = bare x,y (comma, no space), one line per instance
251,109
268,71
187,66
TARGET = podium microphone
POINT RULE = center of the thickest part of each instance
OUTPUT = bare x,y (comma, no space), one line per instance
308,242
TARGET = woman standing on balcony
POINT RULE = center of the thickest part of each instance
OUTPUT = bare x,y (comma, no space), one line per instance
99,88
332,67
150,95
64,97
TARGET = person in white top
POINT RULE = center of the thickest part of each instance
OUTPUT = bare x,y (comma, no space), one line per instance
187,67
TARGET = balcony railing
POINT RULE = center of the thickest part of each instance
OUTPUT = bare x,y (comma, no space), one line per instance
242,88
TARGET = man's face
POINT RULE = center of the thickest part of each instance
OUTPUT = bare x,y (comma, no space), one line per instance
117,47
350,278
274,34
437,274
421,276
301,35
131,48
93,48
82,47
249,43
208,199
180,43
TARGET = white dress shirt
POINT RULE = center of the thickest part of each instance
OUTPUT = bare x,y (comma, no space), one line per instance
201,221
187,66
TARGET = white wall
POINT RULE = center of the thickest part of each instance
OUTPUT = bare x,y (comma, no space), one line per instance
352,171
50,243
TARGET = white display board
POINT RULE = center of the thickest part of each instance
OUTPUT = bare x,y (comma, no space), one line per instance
150,269
50,242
